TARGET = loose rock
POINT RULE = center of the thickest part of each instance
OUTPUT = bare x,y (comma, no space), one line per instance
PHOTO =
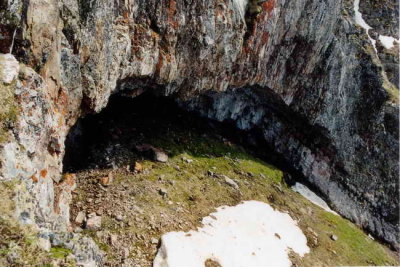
93,223
138,167
80,218
163,192
155,154
231,182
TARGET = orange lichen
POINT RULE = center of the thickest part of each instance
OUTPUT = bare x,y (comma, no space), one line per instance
171,11
43,173
34,178
268,6
264,38
69,179
62,103
159,63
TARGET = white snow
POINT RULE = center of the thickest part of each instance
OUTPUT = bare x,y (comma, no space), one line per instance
251,234
387,41
311,196
360,21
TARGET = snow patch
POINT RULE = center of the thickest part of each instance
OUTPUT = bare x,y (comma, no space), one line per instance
251,234
360,21
387,41
311,196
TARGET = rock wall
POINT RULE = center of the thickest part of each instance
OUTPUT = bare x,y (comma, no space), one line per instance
314,69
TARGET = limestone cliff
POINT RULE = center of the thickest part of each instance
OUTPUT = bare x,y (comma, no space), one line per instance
303,74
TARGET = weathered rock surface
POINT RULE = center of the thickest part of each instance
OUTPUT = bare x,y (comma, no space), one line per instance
312,85
9,68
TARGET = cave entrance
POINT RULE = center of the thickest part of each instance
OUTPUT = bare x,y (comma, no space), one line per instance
110,139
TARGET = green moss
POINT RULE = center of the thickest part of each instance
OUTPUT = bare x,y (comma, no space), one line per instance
353,246
8,109
59,252
392,91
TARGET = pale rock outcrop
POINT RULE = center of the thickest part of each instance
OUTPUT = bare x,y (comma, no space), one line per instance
9,68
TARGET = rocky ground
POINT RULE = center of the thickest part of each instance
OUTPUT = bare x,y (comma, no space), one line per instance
127,197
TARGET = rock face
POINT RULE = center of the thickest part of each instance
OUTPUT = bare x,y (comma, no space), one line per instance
301,73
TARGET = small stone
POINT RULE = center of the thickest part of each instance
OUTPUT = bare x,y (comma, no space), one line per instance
93,223
125,253
154,241
78,230
160,156
187,160
107,180
113,240
231,182
13,256
44,244
155,153
119,218
163,192
138,167
80,218
334,237
312,231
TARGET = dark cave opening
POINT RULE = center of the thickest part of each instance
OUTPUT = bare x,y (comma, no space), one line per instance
110,138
